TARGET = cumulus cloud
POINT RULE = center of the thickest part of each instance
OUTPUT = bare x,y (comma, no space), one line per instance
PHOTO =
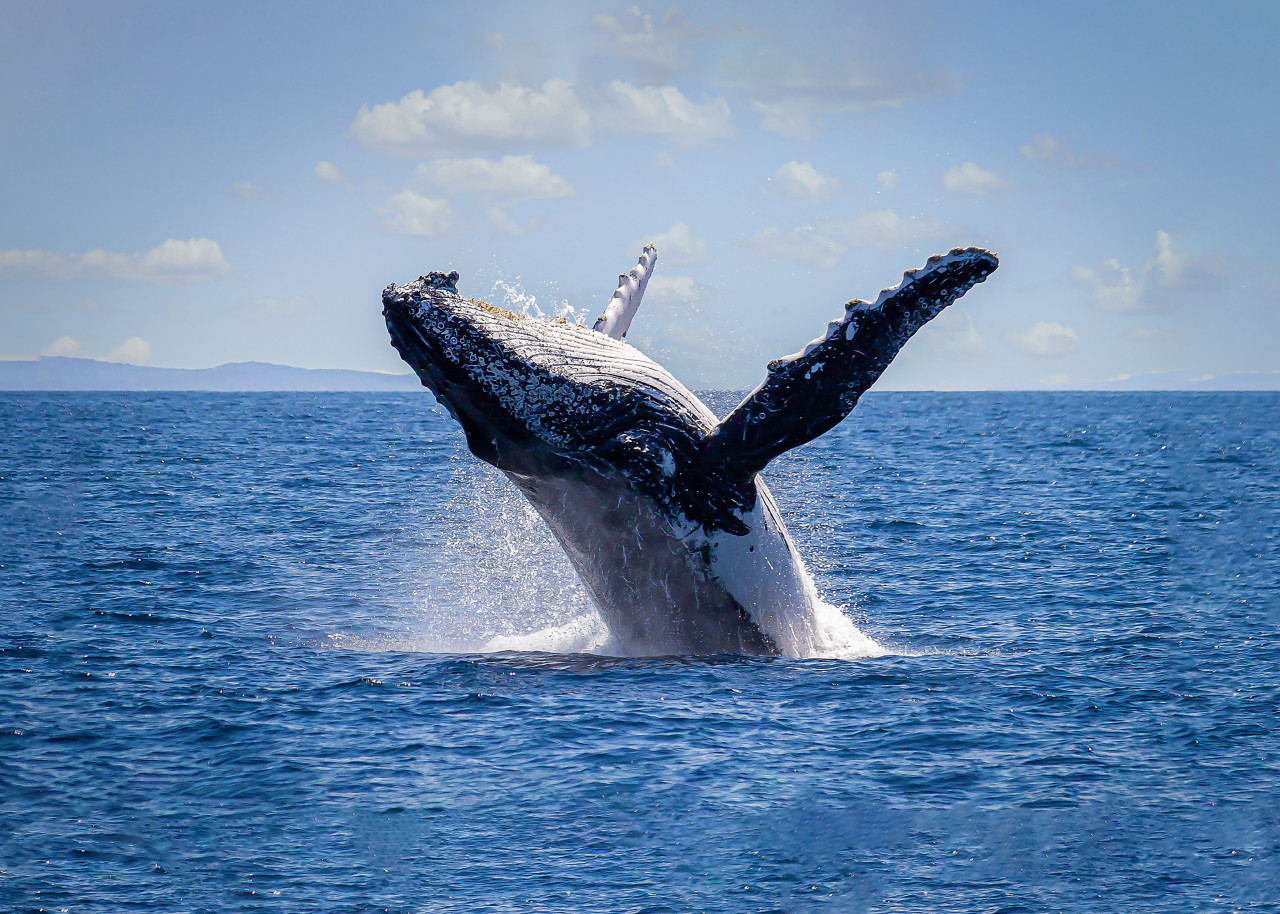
503,221
970,179
887,179
664,112
825,245
327,171
1169,273
657,46
466,117
133,351
62,346
411,213
506,180
193,260
1047,338
1045,147
683,290
805,183
498,184
677,247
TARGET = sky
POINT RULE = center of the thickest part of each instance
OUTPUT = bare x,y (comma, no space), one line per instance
188,184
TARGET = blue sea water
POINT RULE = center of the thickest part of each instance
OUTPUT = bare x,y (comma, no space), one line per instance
277,653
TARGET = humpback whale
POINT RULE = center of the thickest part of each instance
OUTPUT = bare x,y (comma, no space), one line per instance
658,504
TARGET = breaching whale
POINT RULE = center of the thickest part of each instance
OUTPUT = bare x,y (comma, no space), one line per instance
657,503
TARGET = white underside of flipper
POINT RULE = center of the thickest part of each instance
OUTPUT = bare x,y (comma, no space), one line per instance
617,316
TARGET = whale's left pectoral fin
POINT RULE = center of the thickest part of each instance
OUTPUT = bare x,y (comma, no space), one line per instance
622,307
808,393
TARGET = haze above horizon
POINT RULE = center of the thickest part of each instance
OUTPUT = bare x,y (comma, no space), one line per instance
196,183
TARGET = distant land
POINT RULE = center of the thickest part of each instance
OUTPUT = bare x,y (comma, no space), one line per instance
61,373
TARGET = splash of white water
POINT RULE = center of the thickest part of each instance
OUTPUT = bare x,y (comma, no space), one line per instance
493,579
512,296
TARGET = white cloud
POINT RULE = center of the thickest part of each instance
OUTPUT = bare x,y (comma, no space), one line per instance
497,184
663,159
678,289
1047,338
248,189
814,247
1168,274
466,117
133,351
193,260
63,346
657,46
1045,147
887,179
1113,287
805,183
503,221
327,171
677,247
665,112
953,330
823,246
506,180
970,179
413,214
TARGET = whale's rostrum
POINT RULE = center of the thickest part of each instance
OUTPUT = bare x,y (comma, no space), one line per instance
658,504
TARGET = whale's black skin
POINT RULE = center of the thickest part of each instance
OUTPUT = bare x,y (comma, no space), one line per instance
657,503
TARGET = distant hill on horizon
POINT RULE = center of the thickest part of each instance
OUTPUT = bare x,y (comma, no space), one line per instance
1190,381
63,373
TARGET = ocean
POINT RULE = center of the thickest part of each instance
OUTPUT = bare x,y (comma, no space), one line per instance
301,652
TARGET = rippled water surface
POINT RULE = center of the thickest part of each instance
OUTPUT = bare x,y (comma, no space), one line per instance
247,662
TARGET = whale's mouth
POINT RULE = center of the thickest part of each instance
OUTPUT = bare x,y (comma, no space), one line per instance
460,350
416,348
417,324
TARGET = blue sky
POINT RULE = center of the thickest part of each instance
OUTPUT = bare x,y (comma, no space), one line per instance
189,184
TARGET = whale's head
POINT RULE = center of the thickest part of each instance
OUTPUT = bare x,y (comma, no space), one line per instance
541,397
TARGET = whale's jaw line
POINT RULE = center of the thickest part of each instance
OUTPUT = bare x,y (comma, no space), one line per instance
429,331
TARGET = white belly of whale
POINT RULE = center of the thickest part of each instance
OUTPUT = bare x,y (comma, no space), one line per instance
764,573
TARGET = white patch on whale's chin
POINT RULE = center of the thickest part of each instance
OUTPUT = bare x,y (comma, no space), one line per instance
765,574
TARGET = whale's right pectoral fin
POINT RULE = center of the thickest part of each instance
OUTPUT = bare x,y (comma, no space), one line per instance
622,307
808,393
